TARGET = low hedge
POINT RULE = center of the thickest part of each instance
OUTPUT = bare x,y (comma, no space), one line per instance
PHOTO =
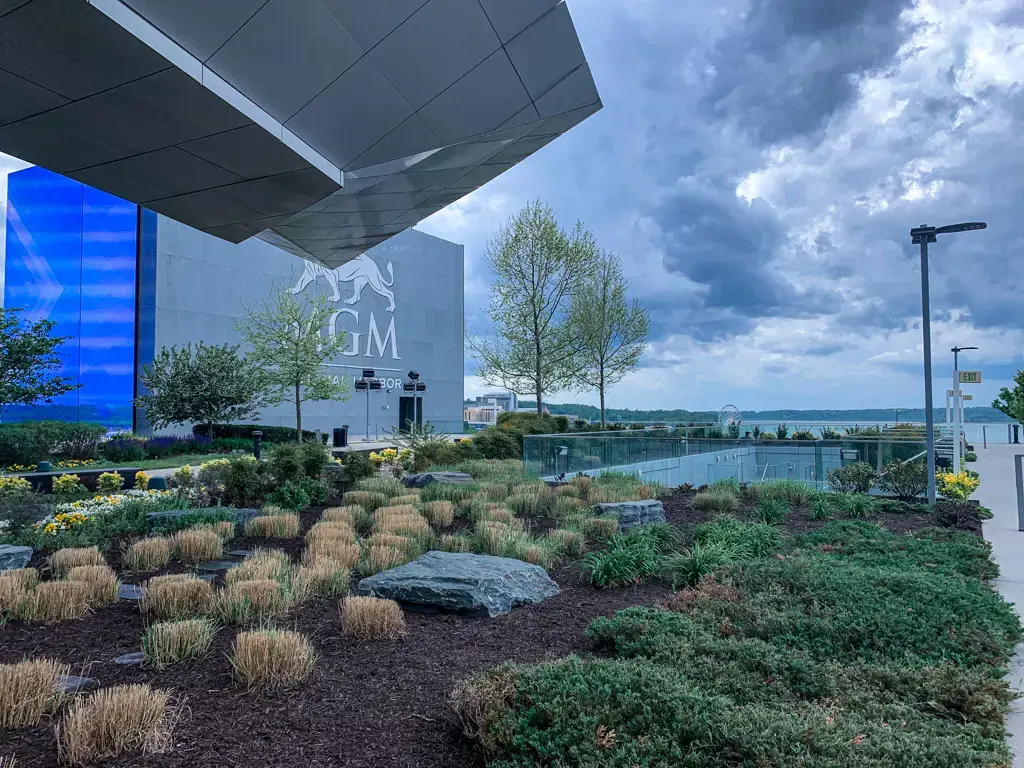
29,442
244,431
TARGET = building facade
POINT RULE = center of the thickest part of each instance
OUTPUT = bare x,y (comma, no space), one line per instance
123,282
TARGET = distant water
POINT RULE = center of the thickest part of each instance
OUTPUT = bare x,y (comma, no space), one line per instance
977,432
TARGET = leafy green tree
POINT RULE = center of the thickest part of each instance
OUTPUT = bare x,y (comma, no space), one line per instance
536,267
29,360
611,332
287,343
206,384
1011,401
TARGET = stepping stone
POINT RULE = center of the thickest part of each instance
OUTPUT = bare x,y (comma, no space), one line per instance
213,566
243,553
466,583
633,513
130,659
130,592
12,557
75,684
445,478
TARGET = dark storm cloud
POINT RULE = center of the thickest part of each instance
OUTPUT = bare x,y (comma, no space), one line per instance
793,63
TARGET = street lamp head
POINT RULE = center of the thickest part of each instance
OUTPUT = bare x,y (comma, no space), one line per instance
969,226
961,349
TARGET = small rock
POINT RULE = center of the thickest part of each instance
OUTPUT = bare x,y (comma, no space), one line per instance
462,582
243,553
12,557
131,592
75,684
445,478
130,659
633,513
217,565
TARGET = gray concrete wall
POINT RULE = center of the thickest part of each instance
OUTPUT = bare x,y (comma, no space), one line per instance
200,286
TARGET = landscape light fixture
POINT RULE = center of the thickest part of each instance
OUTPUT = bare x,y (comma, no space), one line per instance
922,236
414,376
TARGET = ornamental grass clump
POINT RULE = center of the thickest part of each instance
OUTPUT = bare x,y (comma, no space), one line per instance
169,642
284,526
689,567
719,500
14,585
402,521
455,543
382,558
322,531
226,529
101,580
28,690
498,539
440,514
148,554
336,549
371,618
193,546
601,528
567,542
261,565
771,510
744,541
368,500
63,560
253,602
409,497
325,578
52,601
385,485
272,658
177,596
350,514
116,721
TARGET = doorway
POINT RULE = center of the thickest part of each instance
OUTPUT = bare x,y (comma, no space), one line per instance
408,412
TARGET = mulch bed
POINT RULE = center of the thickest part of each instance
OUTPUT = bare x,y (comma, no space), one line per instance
368,704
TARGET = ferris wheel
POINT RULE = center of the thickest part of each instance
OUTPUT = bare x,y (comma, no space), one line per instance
729,416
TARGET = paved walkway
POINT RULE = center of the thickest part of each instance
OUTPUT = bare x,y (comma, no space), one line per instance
998,492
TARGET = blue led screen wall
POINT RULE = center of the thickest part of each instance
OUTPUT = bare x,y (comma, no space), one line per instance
71,258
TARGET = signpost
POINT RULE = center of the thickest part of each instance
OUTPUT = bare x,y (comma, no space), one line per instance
970,377
962,377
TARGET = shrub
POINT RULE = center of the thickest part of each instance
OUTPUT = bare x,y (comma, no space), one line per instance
28,690
109,482
249,602
177,596
141,480
957,486
440,514
19,446
272,658
689,567
53,601
717,500
906,479
858,477
148,554
246,481
271,434
744,541
115,721
274,527
292,495
492,443
63,560
101,580
356,466
168,642
771,511
568,542
68,485
260,565
368,500
324,578
123,450
371,618
197,546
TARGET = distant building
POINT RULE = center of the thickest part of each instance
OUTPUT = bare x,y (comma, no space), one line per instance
482,414
506,400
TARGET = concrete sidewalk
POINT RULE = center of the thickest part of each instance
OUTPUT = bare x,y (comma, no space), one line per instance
998,492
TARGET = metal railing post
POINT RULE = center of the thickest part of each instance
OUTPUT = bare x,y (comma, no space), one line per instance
1019,460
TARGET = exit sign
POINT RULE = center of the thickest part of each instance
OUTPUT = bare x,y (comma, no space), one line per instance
970,377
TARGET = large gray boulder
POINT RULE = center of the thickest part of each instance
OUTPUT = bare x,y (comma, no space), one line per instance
242,516
462,582
446,478
12,557
633,513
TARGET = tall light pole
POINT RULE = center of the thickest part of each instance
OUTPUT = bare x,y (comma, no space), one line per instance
958,407
923,235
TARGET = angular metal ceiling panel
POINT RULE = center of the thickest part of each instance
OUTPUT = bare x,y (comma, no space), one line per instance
323,126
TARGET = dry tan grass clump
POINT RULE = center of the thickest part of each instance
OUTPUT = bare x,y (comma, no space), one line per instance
28,691
401,520
368,500
350,514
502,515
338,550
584,484
53,601
284,526
260,565
25,578
248,602
454,543
439,513
328,530
226,529
601,527
197,546
8,762
382,558
148,554
168,642
272,658
102,581
63,560
115,721
177,596
409,497
568,542
14,584
404,543
324,578
537,554
371,618
568,490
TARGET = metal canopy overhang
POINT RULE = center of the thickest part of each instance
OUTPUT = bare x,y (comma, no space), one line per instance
323,126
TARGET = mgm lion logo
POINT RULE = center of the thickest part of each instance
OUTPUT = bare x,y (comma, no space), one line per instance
362,271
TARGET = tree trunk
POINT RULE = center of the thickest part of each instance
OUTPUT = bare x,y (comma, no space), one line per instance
298,415
209,430
601,390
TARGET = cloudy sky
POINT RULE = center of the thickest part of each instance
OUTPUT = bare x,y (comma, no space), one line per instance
758,165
